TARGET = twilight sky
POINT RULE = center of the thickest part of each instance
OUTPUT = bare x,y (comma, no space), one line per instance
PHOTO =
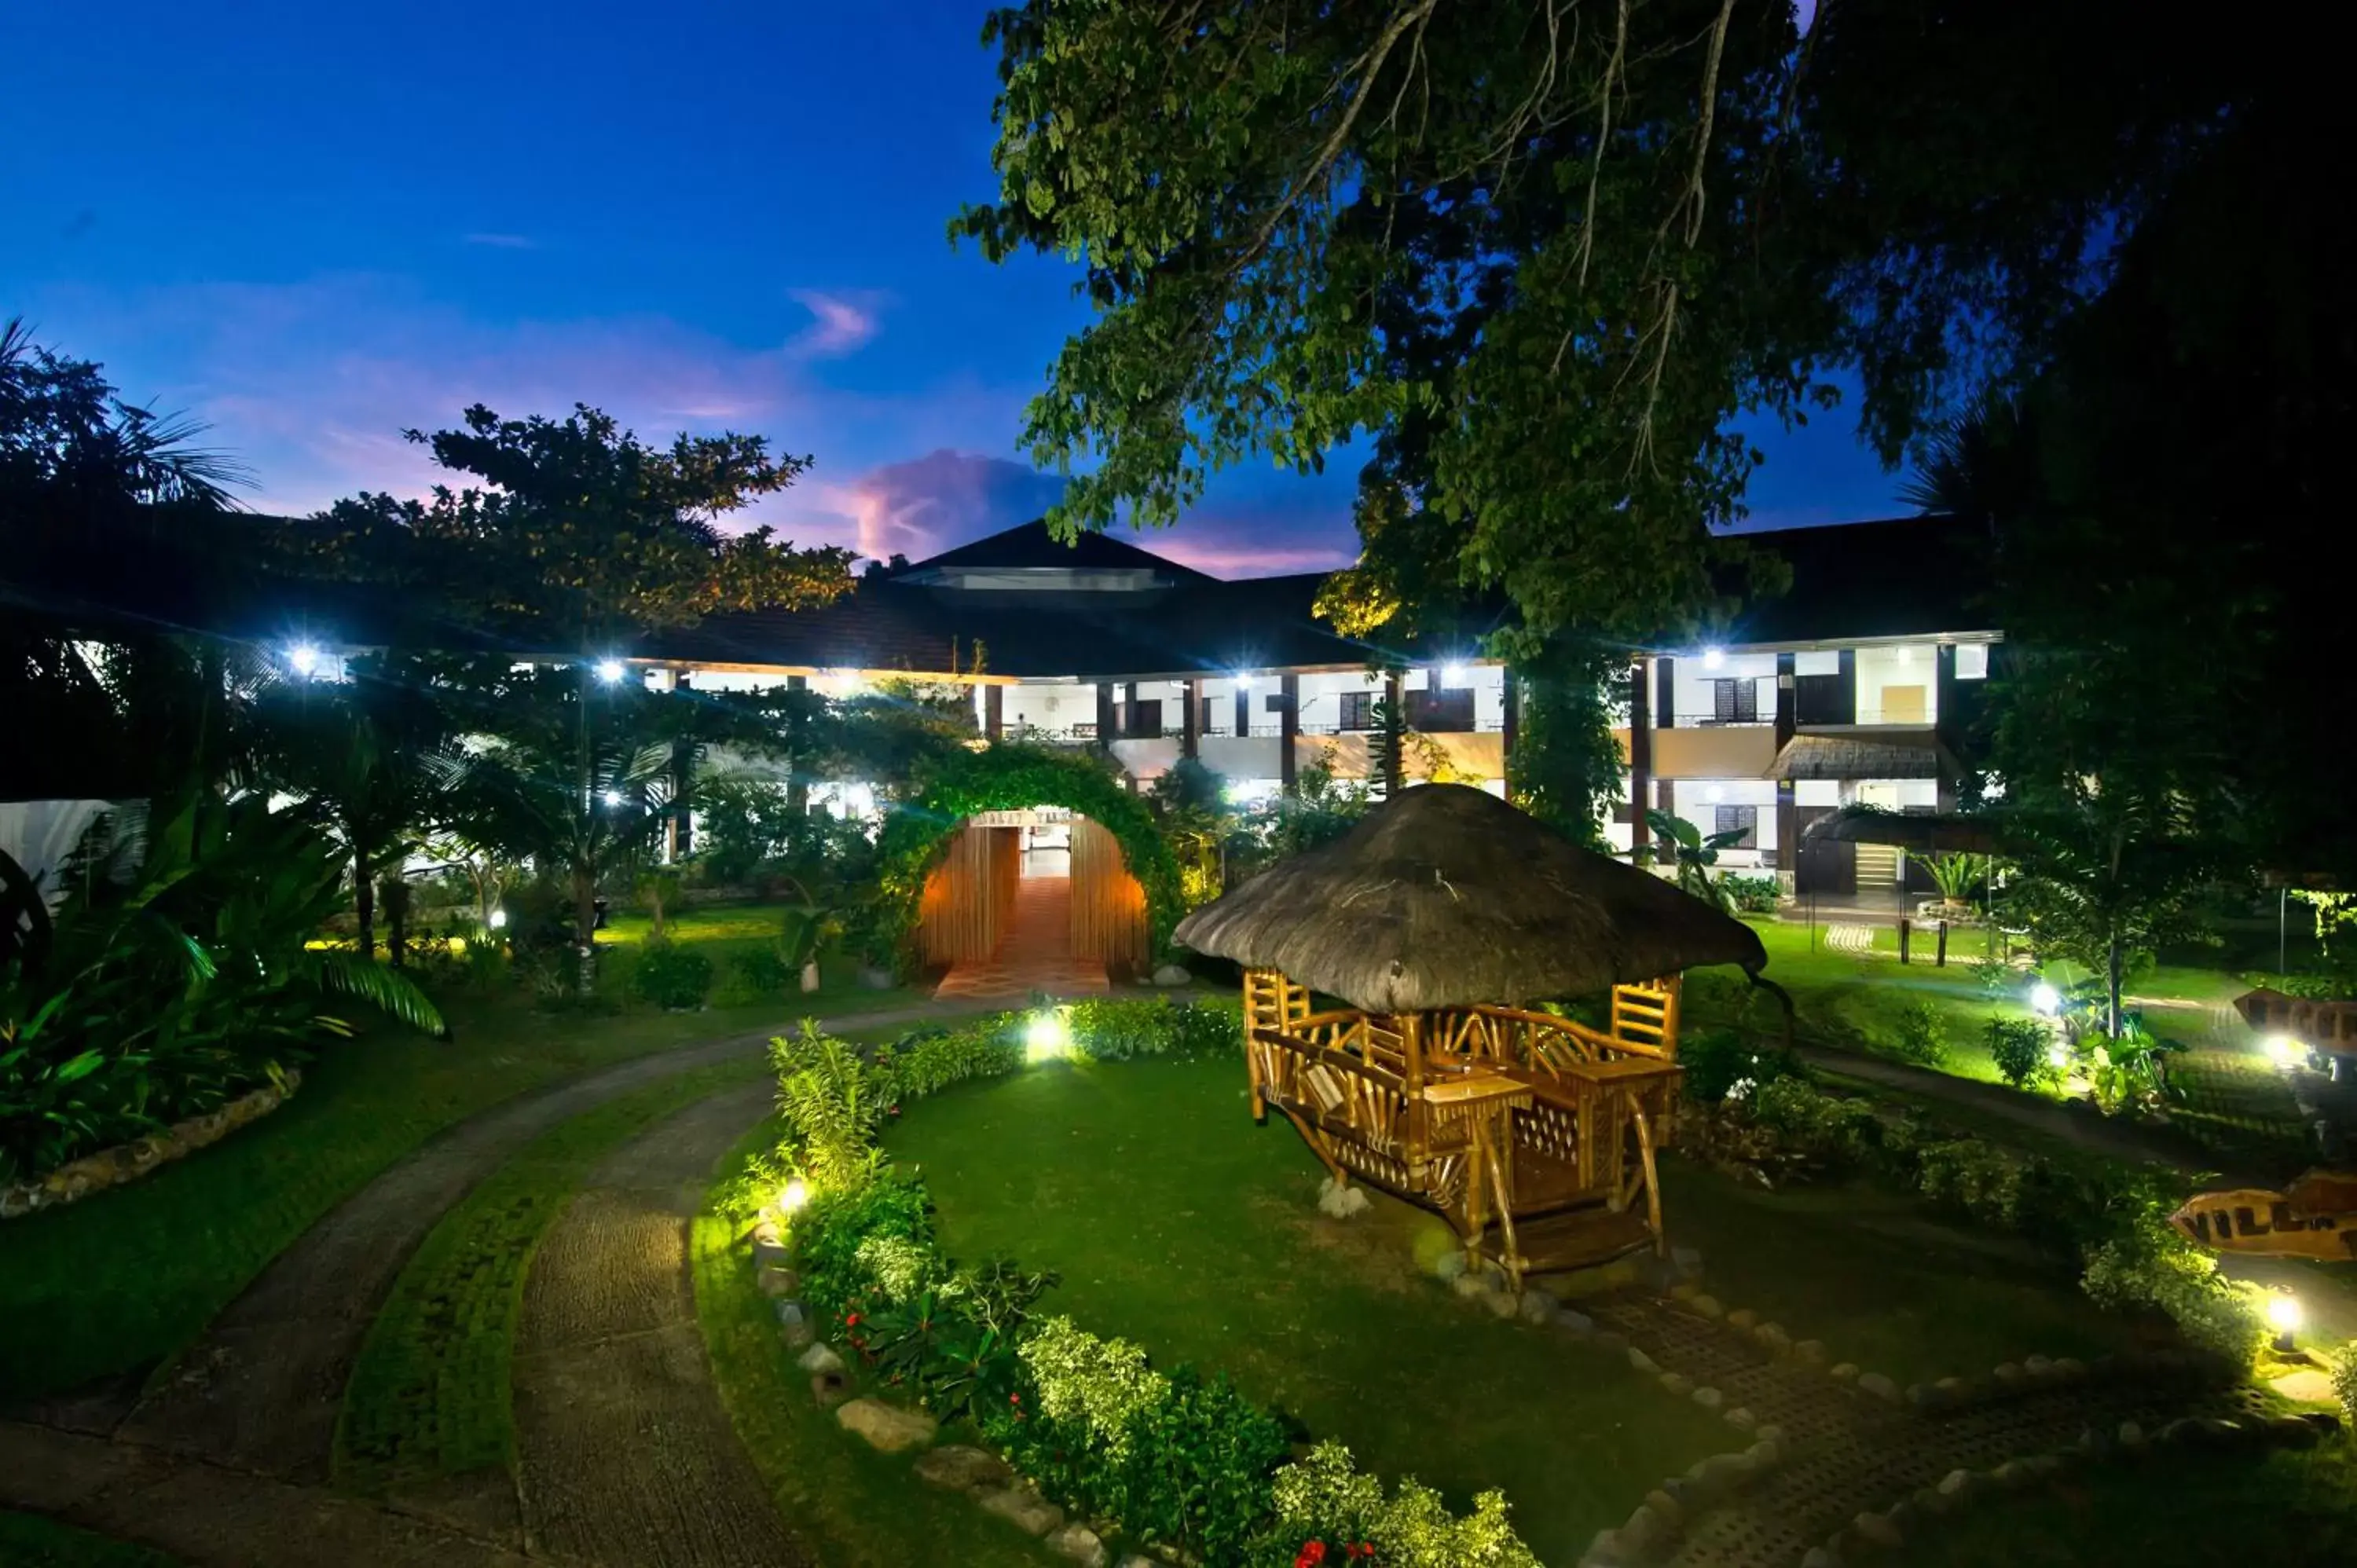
314,225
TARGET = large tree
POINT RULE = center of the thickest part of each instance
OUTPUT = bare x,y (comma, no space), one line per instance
580,535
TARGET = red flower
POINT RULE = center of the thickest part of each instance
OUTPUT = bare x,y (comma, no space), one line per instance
1311,1555
1014,1399
851,1320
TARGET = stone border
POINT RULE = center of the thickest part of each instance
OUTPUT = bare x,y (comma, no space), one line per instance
77,1179
1891,1528
994,1485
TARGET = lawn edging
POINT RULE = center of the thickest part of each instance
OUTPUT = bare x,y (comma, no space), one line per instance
78,1179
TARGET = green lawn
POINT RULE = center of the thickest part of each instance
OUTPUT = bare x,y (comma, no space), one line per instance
31,1541
1881,1282
429,1395
116,1283
1176,1222
2287,1508
851,1506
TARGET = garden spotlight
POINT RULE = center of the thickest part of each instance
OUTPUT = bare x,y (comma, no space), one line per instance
2284,1316
2044,1000
499,920
1045,1037
613,797
796,1193
2285,1052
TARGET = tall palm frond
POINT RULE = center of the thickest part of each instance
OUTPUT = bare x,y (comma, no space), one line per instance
387,989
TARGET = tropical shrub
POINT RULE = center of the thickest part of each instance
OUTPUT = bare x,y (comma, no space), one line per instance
1720,1064
1751,894
175,975
832,1101
2344,1382
1921,1036
1326,1509
1120,1030
2020,1048
762,972
2146,1265
673,976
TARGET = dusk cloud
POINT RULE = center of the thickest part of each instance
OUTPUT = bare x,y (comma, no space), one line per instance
842,323
925,505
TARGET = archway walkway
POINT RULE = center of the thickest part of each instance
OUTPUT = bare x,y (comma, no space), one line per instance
1034,953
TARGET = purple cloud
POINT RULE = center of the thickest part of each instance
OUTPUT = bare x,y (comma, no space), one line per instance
925,505
842,323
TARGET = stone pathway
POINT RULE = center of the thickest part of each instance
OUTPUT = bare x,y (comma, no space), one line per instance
626,1453
1843,1451
241,1428
1035,954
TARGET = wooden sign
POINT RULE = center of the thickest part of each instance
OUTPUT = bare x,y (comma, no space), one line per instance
2316,1219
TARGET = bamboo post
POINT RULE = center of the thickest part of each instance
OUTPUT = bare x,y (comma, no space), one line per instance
1411,1031
1905,928
1940,961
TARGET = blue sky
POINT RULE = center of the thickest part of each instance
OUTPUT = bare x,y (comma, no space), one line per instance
313,226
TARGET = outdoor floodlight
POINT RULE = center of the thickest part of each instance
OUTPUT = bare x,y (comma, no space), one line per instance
2285,1052
1045,1037
1711,658
611,671
613,797
499,920
796,1193
304,660
1452,674
2284,1316
2044,1000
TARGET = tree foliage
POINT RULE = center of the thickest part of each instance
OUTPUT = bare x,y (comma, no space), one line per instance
583,533
1519,244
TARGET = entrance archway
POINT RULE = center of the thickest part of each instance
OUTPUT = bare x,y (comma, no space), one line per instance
952,863
1038,899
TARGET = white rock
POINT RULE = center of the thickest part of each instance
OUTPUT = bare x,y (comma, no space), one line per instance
819,1360
1079,1544
1172,974
1878,1385
1338,1201
1024,1508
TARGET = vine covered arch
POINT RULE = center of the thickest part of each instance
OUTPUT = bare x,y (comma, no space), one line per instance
1013,778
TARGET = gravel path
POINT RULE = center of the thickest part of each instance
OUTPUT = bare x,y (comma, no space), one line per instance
261,1389
626,1453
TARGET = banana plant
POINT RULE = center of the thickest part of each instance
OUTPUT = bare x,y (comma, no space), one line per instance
1696,853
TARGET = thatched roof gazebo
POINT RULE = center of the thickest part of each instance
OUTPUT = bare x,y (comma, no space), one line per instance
1439,919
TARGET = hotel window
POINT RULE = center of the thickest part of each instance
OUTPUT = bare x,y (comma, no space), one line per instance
1358,710
1215,710
1972,662
1738,818
1735,702
1446,711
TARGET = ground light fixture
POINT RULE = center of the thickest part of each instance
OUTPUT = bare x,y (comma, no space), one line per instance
2284,1316
2285,1052
2044,1000
1046,1038
499,920
795,1194
611,671
304,660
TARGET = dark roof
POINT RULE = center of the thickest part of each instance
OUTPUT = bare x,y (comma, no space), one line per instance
1910,576
1030,547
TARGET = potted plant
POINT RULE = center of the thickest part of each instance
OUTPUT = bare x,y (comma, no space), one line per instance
1958,876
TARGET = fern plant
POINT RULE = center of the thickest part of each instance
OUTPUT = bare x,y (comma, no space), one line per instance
831,1104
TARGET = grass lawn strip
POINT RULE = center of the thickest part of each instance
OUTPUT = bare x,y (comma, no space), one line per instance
429,1395
1180,1226
119,1282
31,1541
854,1507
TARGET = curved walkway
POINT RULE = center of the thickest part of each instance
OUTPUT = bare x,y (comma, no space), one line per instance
626,1455
226,1459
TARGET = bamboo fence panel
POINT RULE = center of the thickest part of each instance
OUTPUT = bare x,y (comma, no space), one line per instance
962,914
1108,904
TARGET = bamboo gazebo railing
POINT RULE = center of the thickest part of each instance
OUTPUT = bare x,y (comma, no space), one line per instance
1531,1123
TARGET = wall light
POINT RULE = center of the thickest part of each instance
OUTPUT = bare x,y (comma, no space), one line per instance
611,671
1714,794
1906,656
2044,1000
1247,682
304,660
1711,658
1452,674
1046,1038
796,1195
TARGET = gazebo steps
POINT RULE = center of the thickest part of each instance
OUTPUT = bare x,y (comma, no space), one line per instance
1576,1238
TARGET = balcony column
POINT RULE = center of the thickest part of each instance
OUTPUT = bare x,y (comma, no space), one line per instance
1394,758
1244,711
796,774
1105,719
1190,733
1665,691
1129,710
1943,725
1508,727
994,711
1288,730
1787,700
1641,754
1846,704
1788,830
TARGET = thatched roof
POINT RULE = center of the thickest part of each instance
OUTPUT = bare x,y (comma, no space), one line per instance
1447,896
1854,755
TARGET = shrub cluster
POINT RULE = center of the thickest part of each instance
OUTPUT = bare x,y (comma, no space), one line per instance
673,976
1181,1459
1751,894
